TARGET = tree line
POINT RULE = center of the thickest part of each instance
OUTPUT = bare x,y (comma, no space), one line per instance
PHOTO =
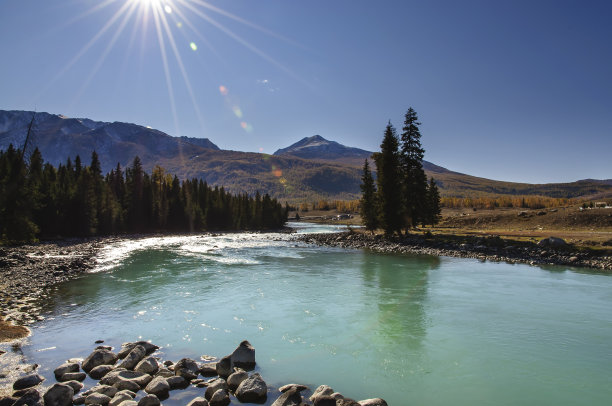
401,197
38,200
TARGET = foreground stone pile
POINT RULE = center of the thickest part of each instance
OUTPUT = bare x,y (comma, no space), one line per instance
549,251
135,377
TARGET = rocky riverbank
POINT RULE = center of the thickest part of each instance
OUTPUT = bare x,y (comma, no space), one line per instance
549,251
28,271
137,376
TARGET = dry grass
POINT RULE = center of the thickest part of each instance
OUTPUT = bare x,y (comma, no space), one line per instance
9,332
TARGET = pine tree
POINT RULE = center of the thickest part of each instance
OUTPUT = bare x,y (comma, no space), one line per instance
434,210
368,206
415,181
389,180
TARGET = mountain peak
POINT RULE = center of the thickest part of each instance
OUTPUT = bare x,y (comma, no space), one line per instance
317,147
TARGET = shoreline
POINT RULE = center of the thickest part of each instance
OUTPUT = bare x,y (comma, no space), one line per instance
485,248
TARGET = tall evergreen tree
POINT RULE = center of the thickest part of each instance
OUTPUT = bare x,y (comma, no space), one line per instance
415,180
434,210
389,180
368,206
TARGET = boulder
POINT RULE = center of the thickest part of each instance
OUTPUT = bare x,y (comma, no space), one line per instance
324,400
97,399
187,368
126,348
149,400
346,402
321,391
244,356
220,398
27,381
79,400
99,357
209,369
133,357
252,390
73,376
31,397
127,385
177,382
165,372
235,379
9,400
75,385
127,392
199,401
64,368
373,402
215,385
59,394
116,376
552,242
100,371
148,365
224,366
107,390
158,387
128,403
118,398
289,397
290,386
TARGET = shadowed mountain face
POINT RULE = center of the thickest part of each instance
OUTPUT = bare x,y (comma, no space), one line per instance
312,168
60,137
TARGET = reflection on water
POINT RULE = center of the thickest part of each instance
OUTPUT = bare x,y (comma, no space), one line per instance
411,329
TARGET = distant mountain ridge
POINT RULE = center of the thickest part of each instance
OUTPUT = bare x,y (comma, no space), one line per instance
311,169
59,137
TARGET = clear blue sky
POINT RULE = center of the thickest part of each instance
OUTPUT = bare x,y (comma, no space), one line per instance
509,90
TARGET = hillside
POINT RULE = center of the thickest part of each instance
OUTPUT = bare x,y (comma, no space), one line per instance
312,168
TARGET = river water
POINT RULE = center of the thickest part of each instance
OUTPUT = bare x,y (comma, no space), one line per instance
410,329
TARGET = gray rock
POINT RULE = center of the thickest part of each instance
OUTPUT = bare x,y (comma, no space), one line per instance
337,395
165,372
9,400
133,357
27,382
126,348
127,392
220,398
79,400
99,357
322,390
64,368
159,387
346,402
107,390
59,394
148,365
224,366
209,369
373,402
75,385
215,385
167,363
252,390
199,401
177,382
235,379
128,403
118,398
100,371
31,397
127,385
97,399
73,376
295,386
289,397
244,356
552,242
187,368
324,400
116,376
149,400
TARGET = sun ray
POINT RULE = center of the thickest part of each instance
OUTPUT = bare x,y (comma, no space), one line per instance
104,54
183,71
162,47
86,48
242,41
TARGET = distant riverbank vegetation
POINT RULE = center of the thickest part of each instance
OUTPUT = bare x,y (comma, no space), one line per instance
38,200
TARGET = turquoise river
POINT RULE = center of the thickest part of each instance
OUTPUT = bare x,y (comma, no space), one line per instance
414,330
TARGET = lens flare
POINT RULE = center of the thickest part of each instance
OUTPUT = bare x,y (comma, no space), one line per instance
193,46
223,90
168,9
238,114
